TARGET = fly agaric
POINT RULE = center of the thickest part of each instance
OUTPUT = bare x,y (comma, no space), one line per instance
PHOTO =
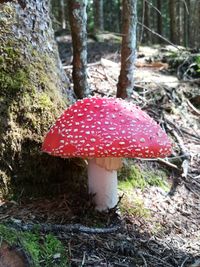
103,131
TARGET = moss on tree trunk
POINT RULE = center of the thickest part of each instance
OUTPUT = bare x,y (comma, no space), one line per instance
32,95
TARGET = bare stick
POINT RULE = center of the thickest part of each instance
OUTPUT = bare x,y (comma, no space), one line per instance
157,34
88,65
185,152
194,110
68,228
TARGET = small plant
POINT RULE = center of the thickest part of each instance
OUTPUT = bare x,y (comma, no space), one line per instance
138,178
43,250
135,208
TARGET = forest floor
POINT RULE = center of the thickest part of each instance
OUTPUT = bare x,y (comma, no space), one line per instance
157,222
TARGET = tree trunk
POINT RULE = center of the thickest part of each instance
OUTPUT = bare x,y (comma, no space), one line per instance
33,93
187,23
196,25
98,16
63,17
173,26
159,20
181,20
128,50
78,21
147,38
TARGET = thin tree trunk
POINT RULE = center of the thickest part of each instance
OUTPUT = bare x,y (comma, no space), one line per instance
197,23
181,25
159,20
128,51
63,18
98,15
187,23
78,21
146,38
173,26
118,29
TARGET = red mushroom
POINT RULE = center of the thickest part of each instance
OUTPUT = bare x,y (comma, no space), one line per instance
103,130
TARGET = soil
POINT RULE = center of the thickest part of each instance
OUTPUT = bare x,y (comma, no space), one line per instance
170,236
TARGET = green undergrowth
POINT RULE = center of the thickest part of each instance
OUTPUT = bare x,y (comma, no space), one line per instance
133,177
43,250
134,207
136,177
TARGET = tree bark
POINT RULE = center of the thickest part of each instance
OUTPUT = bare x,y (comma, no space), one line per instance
173,26
181,22
78,21
159,20
147,38
128,50
187,21
33,93
63,17
98,16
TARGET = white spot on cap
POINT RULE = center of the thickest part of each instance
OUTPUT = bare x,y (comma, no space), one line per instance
121,143
142,140
93,140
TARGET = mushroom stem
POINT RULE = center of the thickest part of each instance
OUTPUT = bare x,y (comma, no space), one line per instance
103,185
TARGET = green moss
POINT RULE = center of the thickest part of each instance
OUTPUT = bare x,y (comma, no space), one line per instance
30,101
4,180
13,74
134,207
43,250
45,101
134,177
157,178
7,16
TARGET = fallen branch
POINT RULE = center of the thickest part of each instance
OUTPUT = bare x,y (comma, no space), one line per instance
156,258
57,228
68,67
194,110
183,150
157,34
185,153
168,164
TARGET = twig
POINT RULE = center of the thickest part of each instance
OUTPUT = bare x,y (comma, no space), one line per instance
83,260
184,152
169,164
156,258
154,7
88,65
157,34
143,258
195,110
182,129
69,228
183,263
179,81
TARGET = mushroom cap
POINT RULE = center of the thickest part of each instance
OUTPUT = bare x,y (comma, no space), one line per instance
106,127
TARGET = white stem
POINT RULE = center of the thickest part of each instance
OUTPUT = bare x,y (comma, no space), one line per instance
103,185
